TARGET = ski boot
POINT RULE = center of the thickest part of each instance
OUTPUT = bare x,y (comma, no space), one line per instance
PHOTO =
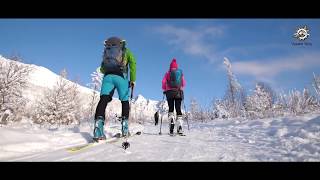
180,122
98,133
171,120
125,127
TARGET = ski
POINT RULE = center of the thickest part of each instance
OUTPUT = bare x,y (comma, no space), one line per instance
176,134
114,138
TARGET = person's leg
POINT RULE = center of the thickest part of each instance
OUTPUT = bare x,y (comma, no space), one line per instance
122,86
178,106
170,104
102,104
107,90
171,107
171,114
179,115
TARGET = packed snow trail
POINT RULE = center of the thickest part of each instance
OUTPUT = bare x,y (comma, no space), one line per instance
148,147
276,139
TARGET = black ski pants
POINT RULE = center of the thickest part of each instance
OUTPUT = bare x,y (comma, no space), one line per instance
103,102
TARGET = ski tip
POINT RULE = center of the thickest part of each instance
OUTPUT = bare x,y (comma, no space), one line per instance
118,135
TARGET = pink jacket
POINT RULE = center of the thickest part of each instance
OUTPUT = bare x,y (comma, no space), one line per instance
165,85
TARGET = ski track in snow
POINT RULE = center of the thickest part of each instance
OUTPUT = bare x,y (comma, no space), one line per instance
274,139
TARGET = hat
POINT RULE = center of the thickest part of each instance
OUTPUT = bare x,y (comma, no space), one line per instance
173,64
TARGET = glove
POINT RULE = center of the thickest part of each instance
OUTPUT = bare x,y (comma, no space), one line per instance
164,92
132,84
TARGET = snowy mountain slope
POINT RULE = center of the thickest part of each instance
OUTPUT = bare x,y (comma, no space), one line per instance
277,139
41,79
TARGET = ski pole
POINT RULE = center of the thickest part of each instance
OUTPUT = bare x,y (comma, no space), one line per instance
131,93
131,96
161,114
126,144
186,112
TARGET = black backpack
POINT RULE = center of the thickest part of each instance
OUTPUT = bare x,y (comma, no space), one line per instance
113,55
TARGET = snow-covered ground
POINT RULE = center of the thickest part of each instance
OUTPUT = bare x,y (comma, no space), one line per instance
276,139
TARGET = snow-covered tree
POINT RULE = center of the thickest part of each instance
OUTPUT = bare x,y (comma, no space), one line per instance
268,90
198,112
316,84
259,104
95,85
280,105
13,80
204,114
194,109
235,97
60,105
233,87
96,80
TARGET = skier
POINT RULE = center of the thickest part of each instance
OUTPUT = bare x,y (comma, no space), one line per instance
114,66
156,118
173,84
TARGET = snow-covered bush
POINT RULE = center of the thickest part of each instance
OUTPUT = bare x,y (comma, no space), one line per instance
220,109
60,105
13,80
301,102
259,104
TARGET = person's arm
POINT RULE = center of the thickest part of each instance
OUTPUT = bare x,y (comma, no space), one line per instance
101,69
183,82
164,82
132,63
